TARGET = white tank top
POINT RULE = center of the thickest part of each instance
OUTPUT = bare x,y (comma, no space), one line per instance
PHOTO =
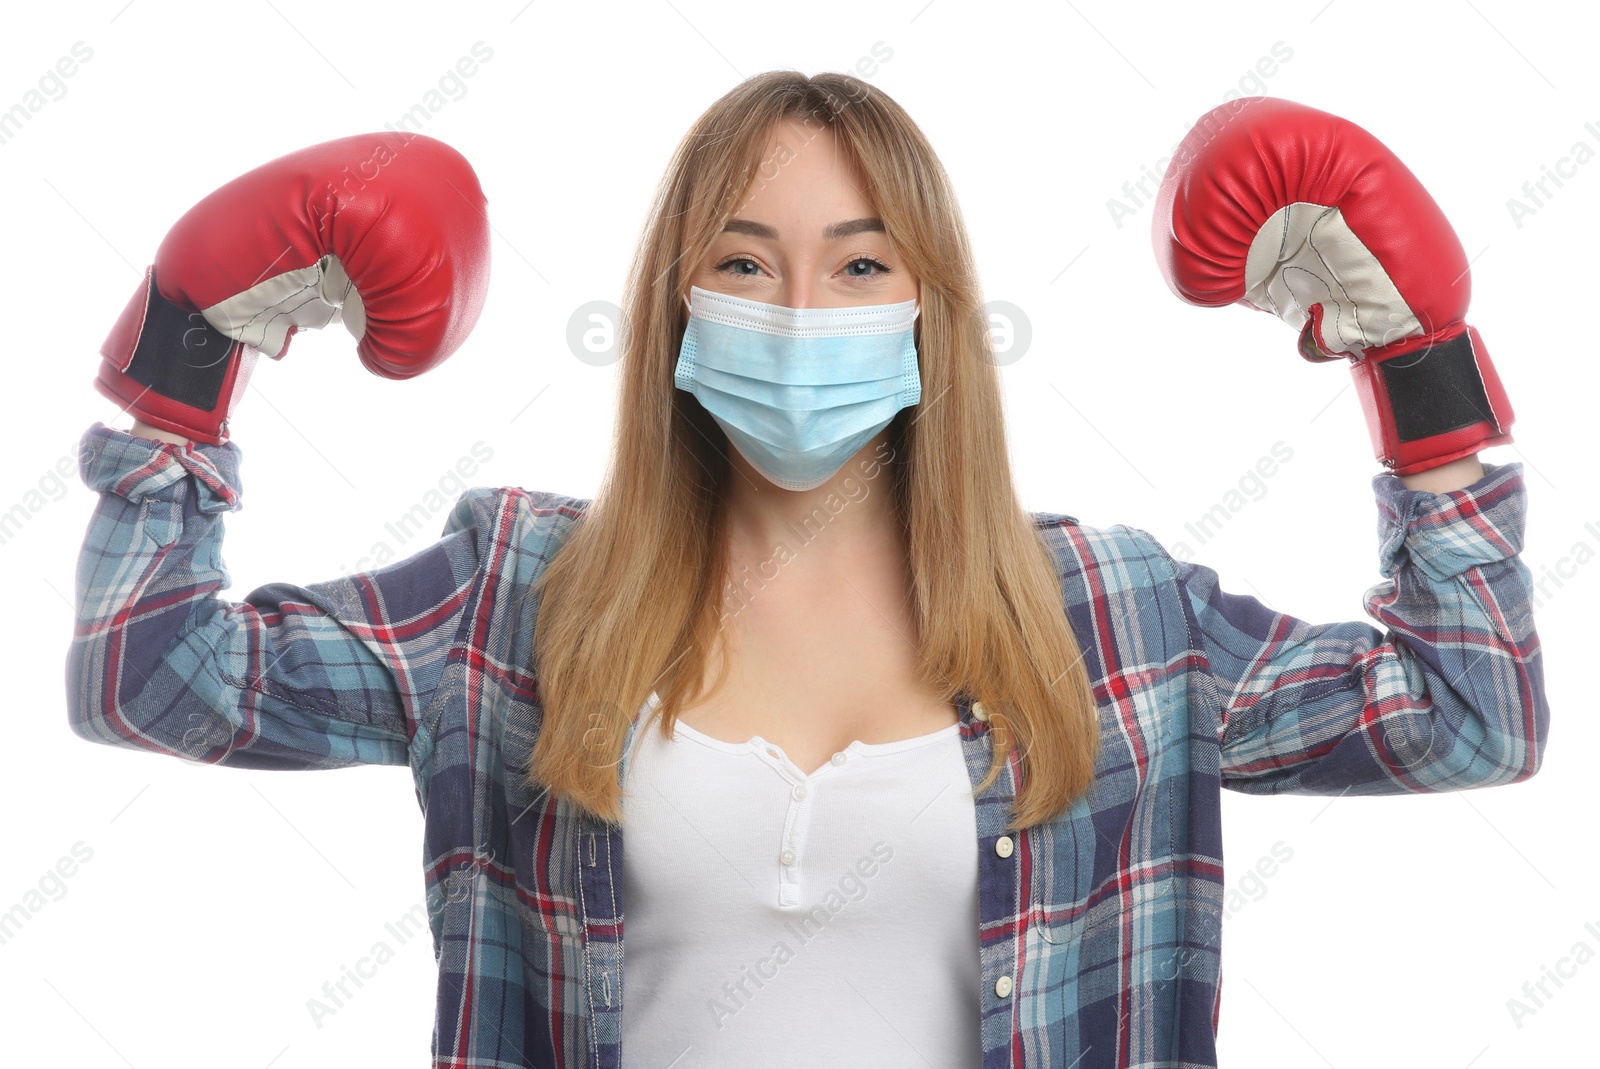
777,918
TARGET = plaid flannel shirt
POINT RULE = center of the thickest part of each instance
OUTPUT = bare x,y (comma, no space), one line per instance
1099,932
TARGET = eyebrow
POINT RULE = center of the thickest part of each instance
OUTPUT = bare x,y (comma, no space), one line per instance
831,232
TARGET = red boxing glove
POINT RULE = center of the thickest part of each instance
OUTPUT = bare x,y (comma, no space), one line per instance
1302,214
386,232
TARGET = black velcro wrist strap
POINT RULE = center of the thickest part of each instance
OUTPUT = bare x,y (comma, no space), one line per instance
179,355
1435,390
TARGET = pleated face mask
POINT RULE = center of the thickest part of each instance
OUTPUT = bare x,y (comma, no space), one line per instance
798,390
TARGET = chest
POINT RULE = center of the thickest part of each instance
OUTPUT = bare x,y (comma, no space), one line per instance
814,680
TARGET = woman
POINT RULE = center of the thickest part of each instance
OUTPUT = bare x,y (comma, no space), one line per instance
908,775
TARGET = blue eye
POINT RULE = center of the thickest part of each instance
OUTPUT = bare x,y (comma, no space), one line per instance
882,269
741,260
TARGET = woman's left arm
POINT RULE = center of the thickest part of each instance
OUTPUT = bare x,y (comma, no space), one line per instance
1306,215
1449,696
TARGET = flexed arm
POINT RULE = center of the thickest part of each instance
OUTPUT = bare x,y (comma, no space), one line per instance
1447,695
323,675
386,233
1300,213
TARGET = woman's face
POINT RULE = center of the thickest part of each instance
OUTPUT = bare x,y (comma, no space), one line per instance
805,235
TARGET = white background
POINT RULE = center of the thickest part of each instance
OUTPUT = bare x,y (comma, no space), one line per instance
216,902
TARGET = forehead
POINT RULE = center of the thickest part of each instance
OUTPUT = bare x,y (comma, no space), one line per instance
804,173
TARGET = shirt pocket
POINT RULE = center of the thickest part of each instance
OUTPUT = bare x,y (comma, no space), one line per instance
546,841
1111,852
546,874
491,835
161,520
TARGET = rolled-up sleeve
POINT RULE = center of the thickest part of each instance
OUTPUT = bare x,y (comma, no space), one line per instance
326,675
1448,695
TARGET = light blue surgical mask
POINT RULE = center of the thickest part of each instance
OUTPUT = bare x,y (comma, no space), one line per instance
798,390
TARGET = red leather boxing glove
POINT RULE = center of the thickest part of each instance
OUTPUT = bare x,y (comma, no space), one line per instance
386,232
1302,214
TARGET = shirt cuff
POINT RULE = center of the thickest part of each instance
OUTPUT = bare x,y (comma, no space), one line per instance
137,468
1447,533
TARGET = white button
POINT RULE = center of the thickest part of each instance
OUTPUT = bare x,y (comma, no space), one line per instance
1002,846
978,712
1002,986
799,790
787,857
838,758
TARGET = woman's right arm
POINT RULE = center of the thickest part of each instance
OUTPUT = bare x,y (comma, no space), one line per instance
321,676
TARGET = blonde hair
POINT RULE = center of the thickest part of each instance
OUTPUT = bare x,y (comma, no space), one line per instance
630,602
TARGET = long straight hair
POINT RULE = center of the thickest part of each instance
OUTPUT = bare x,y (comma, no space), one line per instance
632,601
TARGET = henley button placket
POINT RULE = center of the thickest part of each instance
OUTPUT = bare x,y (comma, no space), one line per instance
795,824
